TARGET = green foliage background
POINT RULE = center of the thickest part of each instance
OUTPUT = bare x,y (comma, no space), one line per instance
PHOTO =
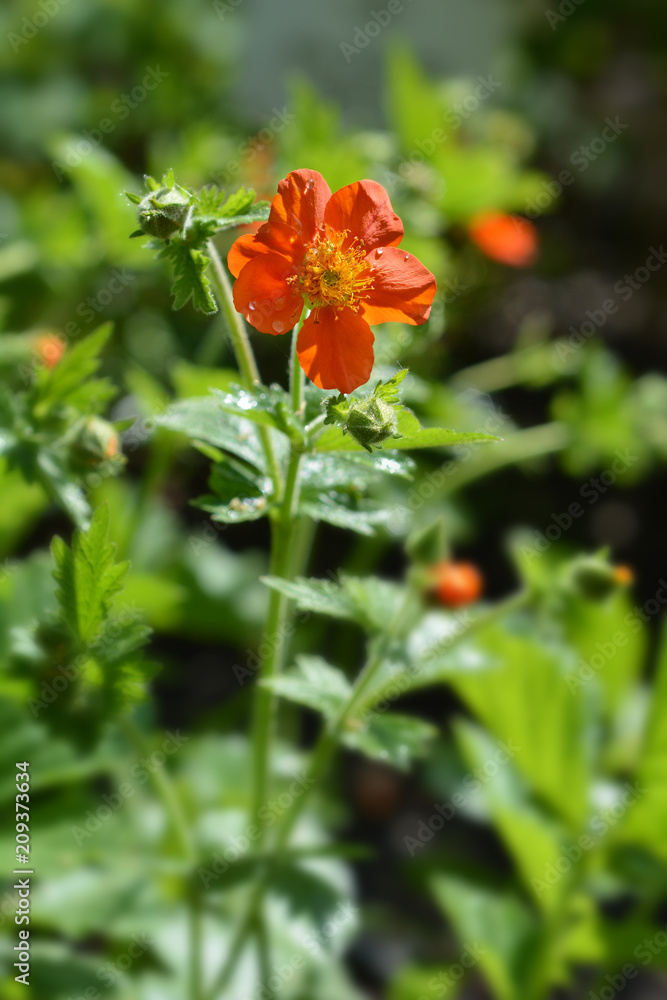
502,354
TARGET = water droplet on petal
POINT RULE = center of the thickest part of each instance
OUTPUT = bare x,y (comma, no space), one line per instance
278,326
278,303
407,257
310,185
379,252
252,306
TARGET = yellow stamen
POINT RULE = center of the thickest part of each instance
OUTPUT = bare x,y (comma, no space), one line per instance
333,276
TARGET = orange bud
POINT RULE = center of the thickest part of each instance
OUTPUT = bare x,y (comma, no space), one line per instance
506,238
112,447
623,575
50,349
457,583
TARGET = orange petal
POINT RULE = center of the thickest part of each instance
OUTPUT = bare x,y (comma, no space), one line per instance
243,250
300,202
364,210
272,237
507,238
403,289
335,349
263,296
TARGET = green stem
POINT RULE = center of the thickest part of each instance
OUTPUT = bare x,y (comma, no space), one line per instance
297,376
196,944
283,531
242,350
324,749
326,744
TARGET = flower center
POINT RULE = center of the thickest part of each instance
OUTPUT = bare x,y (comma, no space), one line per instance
332,276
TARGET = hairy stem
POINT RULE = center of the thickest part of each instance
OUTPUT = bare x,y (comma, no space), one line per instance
283,538
297,377
242,350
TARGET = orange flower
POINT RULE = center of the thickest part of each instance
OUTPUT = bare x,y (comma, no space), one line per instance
50,349
623,575
507,238
337,254
456,583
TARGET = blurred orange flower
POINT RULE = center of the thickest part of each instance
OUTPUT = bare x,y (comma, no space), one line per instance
50,349
338,255
456,583
623,575
506,238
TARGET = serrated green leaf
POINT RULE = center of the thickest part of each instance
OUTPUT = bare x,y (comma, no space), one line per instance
238,494
201,419
390,737
388,391
368,601
414,437
314,683
88,578
352,470
334,509
188,274
269,407
61,487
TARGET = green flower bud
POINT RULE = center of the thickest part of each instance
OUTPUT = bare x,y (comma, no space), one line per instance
371,422
594,578
164,212
97,441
